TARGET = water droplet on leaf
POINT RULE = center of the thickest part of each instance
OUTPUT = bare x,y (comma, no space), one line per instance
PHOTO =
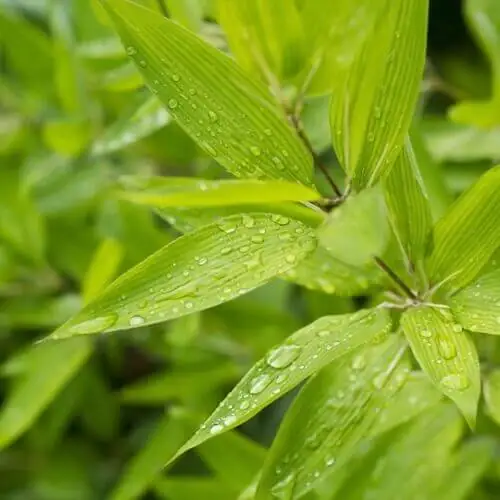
259,383
283,356
136,320
455,382
95,325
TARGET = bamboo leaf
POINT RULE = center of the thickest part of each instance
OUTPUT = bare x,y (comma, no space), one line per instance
202,269
150,116
304,353
408,206
468,234
417,395
231,117
189,192
492,395
50,367
374,100
477,306
469,464
329,417
447,354
357,230
102,269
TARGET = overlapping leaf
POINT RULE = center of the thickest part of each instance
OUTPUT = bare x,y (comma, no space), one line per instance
329,417
408,206
190,192
304,353
374,100
357,230
492,395
231,117
477,306
447,354
199,270
468,234
149,117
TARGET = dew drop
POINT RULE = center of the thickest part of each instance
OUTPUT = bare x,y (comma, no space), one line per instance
323,333
447,349
202,261
245,405
215,429
212,116
226,250
136,320
455,382
131,51
257,239
143,63
248,221
359,362
227,227
280,219
172,103
290,258
283,356
230,420
259,383
457,328
255,150
176,77
426,334
329,461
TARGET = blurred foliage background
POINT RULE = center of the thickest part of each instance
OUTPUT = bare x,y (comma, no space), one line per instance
97,420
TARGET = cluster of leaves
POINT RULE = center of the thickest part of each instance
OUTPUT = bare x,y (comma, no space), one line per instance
120,122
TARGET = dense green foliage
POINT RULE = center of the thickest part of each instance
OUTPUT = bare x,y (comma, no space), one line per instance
249,250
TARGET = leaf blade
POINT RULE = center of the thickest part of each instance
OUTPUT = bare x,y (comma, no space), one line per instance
159,50
447,354
196,271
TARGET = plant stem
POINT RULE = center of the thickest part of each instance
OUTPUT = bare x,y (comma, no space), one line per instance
404,287
300,131
162,7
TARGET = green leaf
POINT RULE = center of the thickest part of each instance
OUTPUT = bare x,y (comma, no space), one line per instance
329,417
408,206
417,395
148,117
469,465
492,395
304,353
322,271
51,366
190,487
231,117
357,230
266,38
477,306
146,465
187,12
102,269
468,234
374,99
407,466
197,271
484,19
190,192
234,458
447,354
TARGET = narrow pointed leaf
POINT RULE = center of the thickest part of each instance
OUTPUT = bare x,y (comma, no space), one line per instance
329,417
187,487
304,353
51,366
147,118
189,192
409,467
102,269
202,269
447,354
230,116
477,306
408,206
417,395
374,101
470,464
466,237
484,18
357,230
492,395
147,464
